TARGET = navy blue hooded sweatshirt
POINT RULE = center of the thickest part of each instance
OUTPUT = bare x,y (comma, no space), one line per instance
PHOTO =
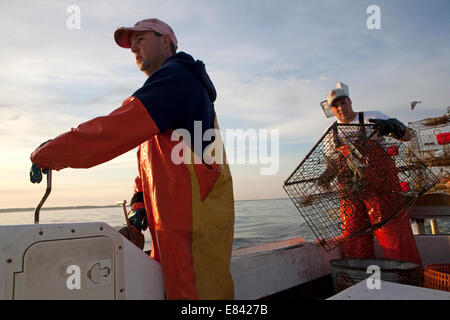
179,93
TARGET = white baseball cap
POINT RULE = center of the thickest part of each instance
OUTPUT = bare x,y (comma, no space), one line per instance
335,94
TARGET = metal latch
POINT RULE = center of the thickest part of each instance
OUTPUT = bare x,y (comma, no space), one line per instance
96,273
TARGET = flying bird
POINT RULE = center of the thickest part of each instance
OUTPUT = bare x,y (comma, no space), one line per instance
413,104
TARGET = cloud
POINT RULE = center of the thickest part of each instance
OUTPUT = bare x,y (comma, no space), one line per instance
263,100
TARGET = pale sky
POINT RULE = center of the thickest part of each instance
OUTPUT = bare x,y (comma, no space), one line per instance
272,62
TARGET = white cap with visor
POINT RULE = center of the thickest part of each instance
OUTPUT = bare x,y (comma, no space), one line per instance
340,91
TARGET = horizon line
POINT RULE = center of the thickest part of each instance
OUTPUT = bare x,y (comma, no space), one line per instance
5,210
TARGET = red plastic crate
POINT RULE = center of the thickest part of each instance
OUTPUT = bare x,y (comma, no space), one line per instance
443,138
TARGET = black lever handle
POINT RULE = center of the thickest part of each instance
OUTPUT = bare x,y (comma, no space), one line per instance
48,172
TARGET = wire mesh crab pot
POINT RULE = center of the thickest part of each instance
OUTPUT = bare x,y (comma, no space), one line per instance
431,140
431,143
353,182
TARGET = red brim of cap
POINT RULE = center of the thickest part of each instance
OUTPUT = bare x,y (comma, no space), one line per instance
122,36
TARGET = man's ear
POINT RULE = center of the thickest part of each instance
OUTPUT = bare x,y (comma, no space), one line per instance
166,42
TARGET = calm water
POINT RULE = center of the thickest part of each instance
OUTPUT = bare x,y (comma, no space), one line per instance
257,221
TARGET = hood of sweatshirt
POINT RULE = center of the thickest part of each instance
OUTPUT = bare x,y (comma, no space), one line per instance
197,67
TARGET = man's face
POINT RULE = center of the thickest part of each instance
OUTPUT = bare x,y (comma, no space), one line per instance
342,109
149,50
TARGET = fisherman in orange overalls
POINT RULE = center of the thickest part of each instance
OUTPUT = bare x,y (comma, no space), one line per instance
395,238
188,205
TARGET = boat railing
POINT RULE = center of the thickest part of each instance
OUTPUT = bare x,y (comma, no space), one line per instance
430,207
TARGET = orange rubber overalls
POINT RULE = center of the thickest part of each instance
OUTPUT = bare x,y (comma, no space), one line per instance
379,199
189,206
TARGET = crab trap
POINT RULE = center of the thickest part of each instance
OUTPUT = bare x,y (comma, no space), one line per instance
431,140
353,182
431,143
